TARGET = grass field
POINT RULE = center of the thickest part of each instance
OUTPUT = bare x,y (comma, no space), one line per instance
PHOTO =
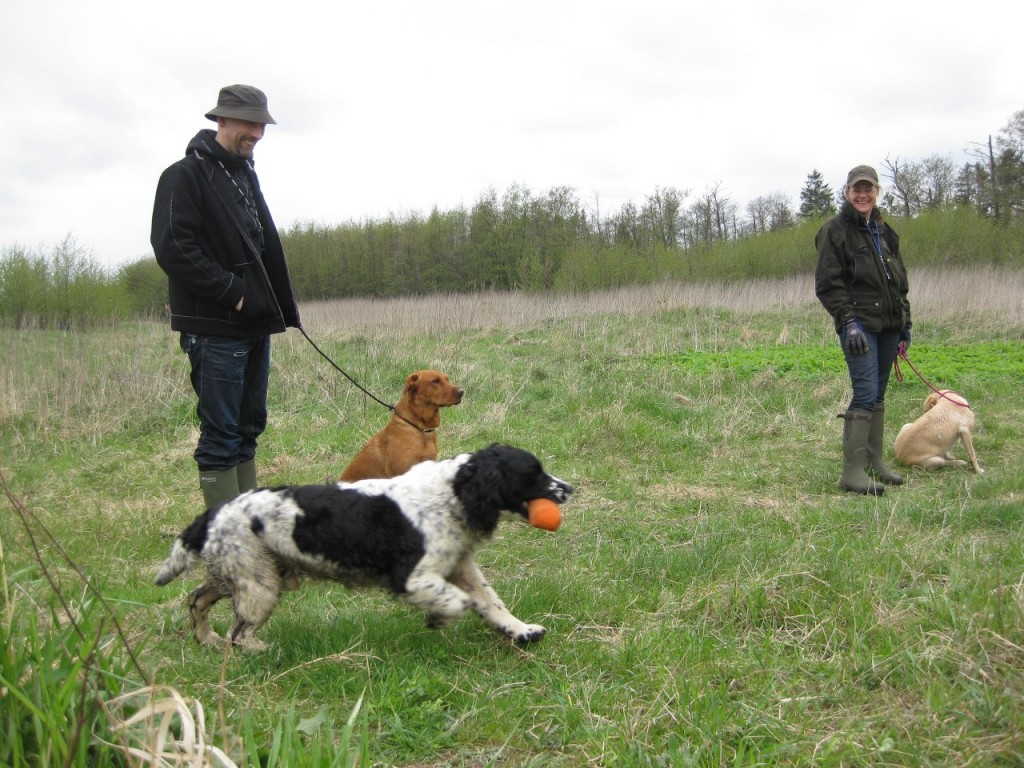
711,598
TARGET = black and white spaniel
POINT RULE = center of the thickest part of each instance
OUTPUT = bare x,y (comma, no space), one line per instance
414,534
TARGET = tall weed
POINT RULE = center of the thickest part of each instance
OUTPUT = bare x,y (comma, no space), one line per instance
73,693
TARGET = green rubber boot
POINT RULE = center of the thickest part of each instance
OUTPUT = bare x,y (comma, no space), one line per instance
856,426
875,454
247,476
218,486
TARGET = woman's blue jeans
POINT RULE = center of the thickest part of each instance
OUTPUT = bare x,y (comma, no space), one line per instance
869,373
230,377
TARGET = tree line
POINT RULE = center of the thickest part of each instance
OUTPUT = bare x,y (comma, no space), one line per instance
553,241
524,240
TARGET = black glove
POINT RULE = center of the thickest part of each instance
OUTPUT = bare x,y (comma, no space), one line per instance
905,339
855,341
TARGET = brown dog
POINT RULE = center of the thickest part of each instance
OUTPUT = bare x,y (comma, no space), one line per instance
926,443
410,436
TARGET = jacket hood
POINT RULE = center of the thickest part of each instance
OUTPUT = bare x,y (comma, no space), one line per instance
205,143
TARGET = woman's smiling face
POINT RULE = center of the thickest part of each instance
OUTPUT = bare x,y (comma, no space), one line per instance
862,197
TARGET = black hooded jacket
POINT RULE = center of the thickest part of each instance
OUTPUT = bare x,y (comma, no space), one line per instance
852,280
210,258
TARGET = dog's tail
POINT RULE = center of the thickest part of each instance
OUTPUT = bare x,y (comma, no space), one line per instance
185,551
182,559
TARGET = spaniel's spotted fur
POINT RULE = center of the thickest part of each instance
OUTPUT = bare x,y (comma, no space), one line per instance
414,534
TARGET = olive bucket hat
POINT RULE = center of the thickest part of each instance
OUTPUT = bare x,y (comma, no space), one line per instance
242,102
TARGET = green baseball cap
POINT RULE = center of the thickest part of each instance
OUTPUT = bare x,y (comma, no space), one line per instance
862,173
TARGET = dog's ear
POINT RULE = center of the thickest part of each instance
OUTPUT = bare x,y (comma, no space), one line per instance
477,485
411,382
931,400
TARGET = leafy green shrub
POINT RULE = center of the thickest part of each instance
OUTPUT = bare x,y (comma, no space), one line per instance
64,289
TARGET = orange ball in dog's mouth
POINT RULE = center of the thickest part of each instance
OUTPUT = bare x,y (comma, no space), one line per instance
545,514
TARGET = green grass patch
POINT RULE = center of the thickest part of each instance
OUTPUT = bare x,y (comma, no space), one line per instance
711,598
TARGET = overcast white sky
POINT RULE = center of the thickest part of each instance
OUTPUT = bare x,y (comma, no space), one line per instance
394,106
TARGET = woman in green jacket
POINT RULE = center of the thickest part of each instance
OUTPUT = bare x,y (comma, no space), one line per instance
862,283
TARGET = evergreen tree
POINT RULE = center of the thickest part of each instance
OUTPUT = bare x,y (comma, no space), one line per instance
816,198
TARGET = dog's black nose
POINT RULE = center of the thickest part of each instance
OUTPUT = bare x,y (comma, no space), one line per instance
561,490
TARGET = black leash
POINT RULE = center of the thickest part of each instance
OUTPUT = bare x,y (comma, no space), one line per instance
359,386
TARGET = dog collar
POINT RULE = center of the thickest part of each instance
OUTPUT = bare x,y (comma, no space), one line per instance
413,424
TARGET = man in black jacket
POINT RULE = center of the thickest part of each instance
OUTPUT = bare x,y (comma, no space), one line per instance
228,283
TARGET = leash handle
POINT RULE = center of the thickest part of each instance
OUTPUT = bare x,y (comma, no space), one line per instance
902,353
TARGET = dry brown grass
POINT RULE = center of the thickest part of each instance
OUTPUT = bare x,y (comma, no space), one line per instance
53,375
937,295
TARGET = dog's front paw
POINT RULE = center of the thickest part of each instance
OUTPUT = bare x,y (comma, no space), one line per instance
208,637
529,633
250,644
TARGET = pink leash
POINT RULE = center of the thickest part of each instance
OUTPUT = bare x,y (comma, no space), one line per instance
902,352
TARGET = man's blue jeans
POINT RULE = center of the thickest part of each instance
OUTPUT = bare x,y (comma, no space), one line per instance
869,373
230,378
